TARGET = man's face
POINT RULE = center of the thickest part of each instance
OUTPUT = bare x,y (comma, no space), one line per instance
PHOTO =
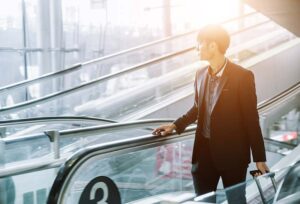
205,50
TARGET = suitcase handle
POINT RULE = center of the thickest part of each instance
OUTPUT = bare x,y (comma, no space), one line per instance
253,172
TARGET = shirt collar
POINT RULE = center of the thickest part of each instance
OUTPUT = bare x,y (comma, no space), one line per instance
220,72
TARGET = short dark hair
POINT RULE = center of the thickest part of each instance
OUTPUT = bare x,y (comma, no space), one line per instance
217,34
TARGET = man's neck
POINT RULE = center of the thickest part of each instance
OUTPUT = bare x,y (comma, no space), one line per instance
217,63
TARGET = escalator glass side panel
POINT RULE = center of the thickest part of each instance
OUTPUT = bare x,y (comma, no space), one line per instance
289,191
40,148
137,174
284,123
29,188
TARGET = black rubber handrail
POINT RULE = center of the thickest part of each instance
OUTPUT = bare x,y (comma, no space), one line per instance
92,130
279,96
279,143
47,120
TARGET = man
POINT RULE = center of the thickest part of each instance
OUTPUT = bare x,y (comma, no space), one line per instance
225,107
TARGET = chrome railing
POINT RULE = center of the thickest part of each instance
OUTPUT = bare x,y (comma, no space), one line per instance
49,120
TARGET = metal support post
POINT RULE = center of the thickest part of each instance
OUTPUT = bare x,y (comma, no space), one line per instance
54,139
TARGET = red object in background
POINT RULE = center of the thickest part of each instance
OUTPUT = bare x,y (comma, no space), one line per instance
174,161
289,136
284,136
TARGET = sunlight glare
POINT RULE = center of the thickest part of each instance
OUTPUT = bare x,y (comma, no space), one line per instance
202,12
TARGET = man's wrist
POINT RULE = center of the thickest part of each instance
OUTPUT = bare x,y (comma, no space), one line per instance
173,126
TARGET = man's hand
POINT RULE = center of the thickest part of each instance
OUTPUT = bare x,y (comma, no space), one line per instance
164,130
262,166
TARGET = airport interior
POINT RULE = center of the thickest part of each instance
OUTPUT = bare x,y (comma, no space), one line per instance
85,82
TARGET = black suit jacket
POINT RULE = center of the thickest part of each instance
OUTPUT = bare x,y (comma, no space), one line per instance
234,119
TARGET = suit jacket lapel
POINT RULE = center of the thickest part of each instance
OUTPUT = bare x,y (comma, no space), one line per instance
223,80
201,87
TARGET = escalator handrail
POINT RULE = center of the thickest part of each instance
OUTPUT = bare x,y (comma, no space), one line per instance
49,97
40,78
79,65
109,146
110,128
279,143
87,131
47,120
281,96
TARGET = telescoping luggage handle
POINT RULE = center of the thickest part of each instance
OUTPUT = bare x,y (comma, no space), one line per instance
271,175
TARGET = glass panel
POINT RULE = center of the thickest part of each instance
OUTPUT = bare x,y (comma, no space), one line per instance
30,188
289,191
12,70
40,148
26,150
33,23
146,172
11,30
278,147
286,129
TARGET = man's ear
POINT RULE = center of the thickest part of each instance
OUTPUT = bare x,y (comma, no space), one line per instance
213,45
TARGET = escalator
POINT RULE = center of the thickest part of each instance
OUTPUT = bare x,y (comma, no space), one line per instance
90,96
141,166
